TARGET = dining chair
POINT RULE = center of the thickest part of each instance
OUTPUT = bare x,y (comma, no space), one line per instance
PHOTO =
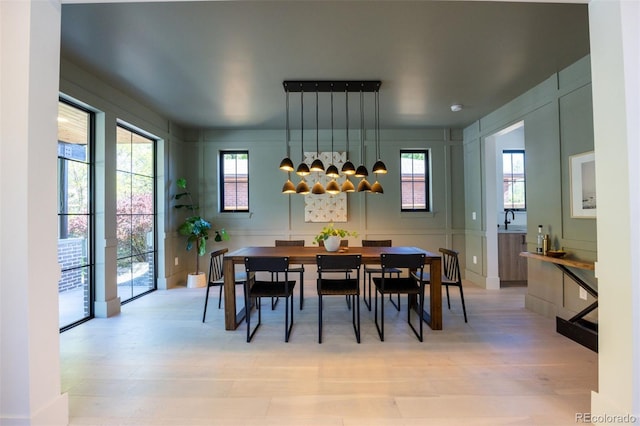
256,289
409,285
450,276
346,272
297,268
349,287
369,270
216,278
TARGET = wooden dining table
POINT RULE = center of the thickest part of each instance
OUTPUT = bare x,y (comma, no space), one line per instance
307,256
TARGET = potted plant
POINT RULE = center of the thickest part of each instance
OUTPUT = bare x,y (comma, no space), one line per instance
196,229
331,236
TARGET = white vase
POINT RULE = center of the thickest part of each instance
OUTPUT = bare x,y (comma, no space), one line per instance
332,243
196,280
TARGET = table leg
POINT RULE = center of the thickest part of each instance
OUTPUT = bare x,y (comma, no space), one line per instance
434,316
231,319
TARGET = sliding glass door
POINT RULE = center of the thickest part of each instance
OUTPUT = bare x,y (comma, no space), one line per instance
75,214
136,214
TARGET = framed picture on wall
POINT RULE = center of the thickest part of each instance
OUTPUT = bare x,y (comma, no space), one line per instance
583,185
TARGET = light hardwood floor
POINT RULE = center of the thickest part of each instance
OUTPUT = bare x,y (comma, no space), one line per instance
157,364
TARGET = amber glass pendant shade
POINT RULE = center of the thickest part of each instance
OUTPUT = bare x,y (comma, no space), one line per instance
288,187
376,188
286,164
364,186
347,186
333,187
317,166
379,167
302,188
317,189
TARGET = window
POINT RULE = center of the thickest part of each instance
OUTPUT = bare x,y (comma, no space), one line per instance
414,178
234,175
135,214
75,214
513,180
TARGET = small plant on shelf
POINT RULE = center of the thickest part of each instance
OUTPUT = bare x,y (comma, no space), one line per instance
331,231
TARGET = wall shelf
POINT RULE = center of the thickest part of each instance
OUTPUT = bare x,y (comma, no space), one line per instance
576,328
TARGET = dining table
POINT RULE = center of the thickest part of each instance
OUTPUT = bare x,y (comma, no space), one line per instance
307,256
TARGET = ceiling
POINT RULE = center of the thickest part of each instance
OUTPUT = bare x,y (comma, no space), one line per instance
221,64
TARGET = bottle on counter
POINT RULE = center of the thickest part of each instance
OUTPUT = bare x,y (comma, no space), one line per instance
545,244
540,238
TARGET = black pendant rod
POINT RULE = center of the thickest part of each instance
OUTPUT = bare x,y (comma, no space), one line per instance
331,85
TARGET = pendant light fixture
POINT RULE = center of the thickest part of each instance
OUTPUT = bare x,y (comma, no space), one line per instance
317,165
361,171
303,169
364,185
286,164
332,171
379,167
347,168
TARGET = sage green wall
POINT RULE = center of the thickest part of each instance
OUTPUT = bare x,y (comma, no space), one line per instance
275,216
558,123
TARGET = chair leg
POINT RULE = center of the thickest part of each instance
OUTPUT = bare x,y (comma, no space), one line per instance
219,296
320,318
288,323
397,305
206,300
380,326
248,317
448,302
464,309
364,297
356,316
301,290
420,308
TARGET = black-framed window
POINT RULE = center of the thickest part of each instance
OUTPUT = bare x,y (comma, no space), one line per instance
135,213
234,178
414,180
76,213
513,179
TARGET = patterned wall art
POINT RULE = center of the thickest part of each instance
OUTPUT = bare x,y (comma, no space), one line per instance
325,207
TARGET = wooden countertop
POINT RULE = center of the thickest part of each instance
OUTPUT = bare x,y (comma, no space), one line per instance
560,261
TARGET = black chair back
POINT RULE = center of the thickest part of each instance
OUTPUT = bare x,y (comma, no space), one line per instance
331,262
450,265
408,260
266,264
215,265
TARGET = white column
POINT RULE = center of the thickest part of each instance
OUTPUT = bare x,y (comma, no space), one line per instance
29,354
615,49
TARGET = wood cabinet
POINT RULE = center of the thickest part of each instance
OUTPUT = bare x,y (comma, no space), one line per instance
512,266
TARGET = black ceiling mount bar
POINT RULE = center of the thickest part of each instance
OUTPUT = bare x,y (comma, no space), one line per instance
331,85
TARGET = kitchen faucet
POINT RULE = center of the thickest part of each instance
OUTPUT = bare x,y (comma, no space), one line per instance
506,215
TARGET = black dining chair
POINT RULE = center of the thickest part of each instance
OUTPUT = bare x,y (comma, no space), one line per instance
450,276
216,278
409,285
370,270
296,269
257,289
348,287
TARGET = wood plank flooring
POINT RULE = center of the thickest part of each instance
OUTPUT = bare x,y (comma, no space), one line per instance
157,364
